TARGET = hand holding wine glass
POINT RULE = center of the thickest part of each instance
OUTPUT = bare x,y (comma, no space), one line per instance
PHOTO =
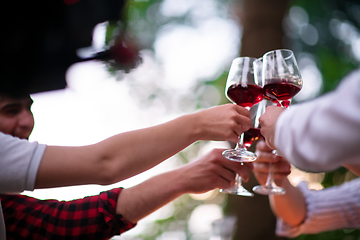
267,163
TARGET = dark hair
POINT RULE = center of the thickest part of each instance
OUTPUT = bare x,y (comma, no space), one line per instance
40,39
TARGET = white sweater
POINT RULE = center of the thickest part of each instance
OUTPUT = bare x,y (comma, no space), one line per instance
323,134
328,209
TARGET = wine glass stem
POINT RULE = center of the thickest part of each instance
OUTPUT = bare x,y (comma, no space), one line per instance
240,143
270,178
238,181
283,104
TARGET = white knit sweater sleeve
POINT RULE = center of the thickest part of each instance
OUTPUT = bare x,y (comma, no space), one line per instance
328,209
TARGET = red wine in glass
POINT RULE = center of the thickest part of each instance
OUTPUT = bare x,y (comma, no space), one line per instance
280,90
251,135
245,96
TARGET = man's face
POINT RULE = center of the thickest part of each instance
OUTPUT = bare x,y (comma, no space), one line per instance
16,117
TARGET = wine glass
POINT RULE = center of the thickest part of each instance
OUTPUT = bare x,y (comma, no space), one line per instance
243,87
245,90
282,81
281,76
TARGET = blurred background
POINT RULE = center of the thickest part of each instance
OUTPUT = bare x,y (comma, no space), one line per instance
186,49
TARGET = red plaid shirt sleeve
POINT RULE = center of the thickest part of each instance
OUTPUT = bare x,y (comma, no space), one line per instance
88,218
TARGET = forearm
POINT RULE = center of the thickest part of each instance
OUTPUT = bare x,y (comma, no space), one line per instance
116,158
127,154
136,151
290,207
208,172
141,200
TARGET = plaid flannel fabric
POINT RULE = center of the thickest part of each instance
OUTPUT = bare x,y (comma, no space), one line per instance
88,218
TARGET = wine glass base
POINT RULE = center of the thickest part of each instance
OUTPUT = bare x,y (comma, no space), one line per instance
237,191
269,190
239,155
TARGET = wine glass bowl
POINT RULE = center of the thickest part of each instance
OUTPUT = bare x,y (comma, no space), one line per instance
281,76
246,95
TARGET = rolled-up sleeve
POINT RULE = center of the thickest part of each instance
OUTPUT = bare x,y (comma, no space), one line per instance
92,217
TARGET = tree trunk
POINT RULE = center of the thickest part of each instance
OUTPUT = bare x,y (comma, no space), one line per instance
262,25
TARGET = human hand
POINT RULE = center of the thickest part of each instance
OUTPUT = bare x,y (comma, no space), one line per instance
211,171
268,124
221,123
279,166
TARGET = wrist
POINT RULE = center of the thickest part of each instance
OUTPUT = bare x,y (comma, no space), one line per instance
192,126
177,181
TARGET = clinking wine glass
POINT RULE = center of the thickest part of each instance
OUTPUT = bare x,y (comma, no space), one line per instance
282,81
243,88
281,77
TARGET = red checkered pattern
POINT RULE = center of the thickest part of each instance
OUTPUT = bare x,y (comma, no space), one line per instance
88,218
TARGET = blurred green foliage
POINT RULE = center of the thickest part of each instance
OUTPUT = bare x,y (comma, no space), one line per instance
334,56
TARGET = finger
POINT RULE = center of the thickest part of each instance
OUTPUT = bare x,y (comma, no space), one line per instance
281,170
281,167
261,168
234,137
265,157
268,142
249,165
223,183
244,174
242,170
243,111
261,146
243,124
261,177
226,173
277,176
